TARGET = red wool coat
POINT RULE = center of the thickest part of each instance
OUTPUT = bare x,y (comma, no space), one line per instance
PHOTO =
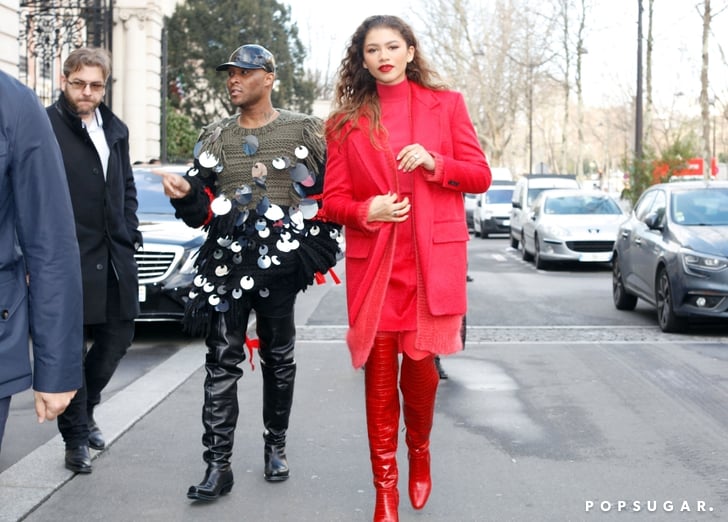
356,172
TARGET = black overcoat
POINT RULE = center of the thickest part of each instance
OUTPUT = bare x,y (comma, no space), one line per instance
107,227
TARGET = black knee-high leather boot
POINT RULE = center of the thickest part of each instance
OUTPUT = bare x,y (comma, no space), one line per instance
225,352
277,340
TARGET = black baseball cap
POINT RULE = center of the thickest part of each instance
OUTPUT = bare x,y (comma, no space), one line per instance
250,56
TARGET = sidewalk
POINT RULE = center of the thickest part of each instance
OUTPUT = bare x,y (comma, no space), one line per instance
36,477
155,454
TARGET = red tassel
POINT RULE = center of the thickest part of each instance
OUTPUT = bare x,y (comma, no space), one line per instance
252,344
334,276
320,279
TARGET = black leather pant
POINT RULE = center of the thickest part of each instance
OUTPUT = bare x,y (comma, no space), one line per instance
225,353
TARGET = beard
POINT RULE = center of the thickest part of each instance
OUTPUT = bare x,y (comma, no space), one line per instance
83,107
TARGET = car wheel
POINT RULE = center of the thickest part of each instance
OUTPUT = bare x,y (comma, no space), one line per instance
669,322
525,255
540,263
622,299
483,233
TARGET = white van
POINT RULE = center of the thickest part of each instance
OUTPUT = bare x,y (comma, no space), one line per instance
493,209
526,190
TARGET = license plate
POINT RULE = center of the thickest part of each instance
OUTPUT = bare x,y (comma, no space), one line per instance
142,293
596,257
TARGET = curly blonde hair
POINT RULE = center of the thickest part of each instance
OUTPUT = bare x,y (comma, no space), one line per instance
355,94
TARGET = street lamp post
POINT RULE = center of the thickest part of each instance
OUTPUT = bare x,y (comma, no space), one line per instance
638,96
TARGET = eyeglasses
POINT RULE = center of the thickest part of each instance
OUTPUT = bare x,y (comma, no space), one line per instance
81,85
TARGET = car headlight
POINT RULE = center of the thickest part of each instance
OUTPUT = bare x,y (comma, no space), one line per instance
696,263
555,232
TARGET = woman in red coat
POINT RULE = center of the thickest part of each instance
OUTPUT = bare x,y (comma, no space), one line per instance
401,152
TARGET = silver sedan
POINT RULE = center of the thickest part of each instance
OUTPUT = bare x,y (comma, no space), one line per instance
571,225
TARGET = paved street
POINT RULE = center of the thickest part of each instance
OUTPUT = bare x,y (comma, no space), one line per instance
559,409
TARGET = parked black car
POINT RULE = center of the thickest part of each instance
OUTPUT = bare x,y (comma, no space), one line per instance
673,253
166,261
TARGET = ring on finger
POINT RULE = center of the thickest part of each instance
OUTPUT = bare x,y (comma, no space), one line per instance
416,156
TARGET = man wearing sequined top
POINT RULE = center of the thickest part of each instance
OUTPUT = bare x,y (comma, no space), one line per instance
254,186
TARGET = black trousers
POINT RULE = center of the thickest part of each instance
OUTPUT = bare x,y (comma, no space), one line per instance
105,345
225,352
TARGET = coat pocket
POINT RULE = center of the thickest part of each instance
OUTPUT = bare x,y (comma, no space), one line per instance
13,293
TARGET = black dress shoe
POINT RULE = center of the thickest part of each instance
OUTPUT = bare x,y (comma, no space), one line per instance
218,481
440,370
95,437
276,463
78,459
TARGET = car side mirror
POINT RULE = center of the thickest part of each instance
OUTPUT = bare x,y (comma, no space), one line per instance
654,221
516,204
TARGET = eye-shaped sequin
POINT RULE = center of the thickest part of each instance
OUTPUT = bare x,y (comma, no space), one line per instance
221,205
250,145
242,217
207,159
246,282
221,270
310,180
237,293
214,300
199,280
296,216
263,206
263,292
301,152
224,241
309,208
223,306
243,195
208,288
299,172
264,262
274,213
299,190
259,171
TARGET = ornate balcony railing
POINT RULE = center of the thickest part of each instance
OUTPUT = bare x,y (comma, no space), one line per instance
50,29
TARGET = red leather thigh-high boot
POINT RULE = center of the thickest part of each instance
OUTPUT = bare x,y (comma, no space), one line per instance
419,382
382,407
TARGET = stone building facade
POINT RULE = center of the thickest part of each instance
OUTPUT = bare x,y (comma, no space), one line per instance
136,77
